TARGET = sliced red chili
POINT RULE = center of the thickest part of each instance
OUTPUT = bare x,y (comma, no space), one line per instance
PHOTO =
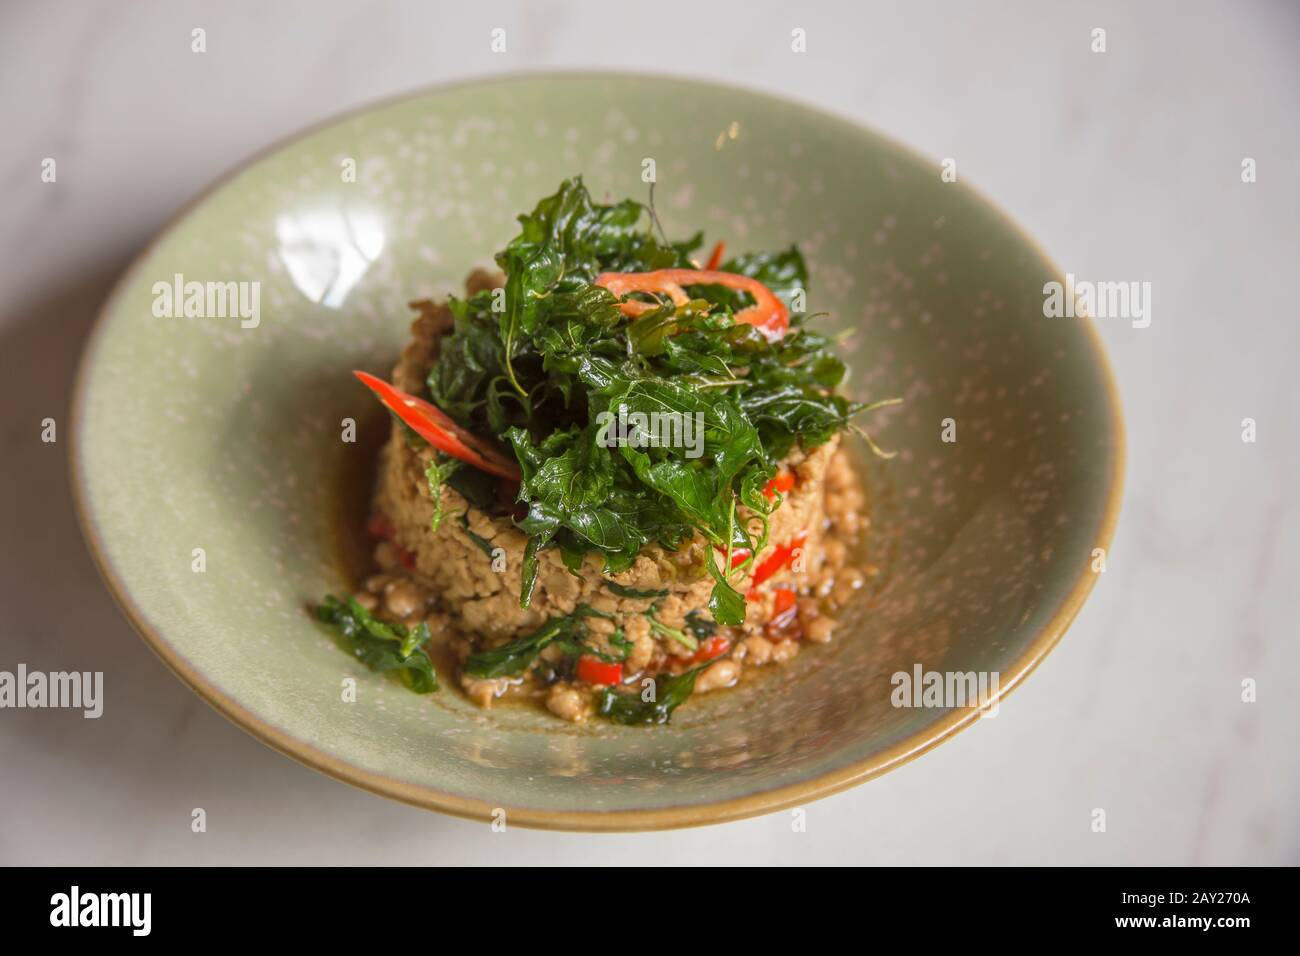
380,527
782,483
777,560
713,647
738,556
715,257
784,610
436,427
595,671
782,600
768,313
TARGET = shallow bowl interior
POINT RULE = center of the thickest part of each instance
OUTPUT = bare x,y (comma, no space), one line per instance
202,433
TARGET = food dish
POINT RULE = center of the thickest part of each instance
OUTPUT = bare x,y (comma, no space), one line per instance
614,477
201,437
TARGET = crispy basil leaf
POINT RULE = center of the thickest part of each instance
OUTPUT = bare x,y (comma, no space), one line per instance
669,693
515,657
440,468
627,592
385,648
546,363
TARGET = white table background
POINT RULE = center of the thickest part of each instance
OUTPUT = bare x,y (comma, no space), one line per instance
1126,165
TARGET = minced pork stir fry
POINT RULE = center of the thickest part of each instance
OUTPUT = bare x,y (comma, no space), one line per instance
614,476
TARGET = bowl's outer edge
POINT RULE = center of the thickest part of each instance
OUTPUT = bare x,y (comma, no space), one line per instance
591,821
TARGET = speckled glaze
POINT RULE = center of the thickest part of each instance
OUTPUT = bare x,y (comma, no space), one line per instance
197,433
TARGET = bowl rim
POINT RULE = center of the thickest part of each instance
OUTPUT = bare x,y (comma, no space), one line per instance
665,818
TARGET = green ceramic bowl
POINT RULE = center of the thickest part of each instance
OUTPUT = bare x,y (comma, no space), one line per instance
221,435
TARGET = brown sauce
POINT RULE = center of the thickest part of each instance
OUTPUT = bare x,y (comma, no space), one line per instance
358,471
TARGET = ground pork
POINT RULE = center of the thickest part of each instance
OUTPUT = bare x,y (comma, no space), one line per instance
473,586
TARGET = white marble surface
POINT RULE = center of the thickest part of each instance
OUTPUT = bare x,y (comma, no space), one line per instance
1124,164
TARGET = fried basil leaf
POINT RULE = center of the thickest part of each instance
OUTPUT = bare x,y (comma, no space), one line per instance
384,648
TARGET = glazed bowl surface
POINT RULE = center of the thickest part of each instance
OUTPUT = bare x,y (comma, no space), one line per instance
212,480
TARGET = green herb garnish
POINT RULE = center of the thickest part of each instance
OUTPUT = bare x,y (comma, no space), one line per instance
623,591
667,694
538,367
483,544
440,468
699,625
515,657
381,647
617,640
681,637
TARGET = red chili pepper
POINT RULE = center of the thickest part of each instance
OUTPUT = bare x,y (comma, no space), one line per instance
595,671
784,611
782,483
782,600
777,560
436,427
379,526
738,556
715,257
715,646
768,313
